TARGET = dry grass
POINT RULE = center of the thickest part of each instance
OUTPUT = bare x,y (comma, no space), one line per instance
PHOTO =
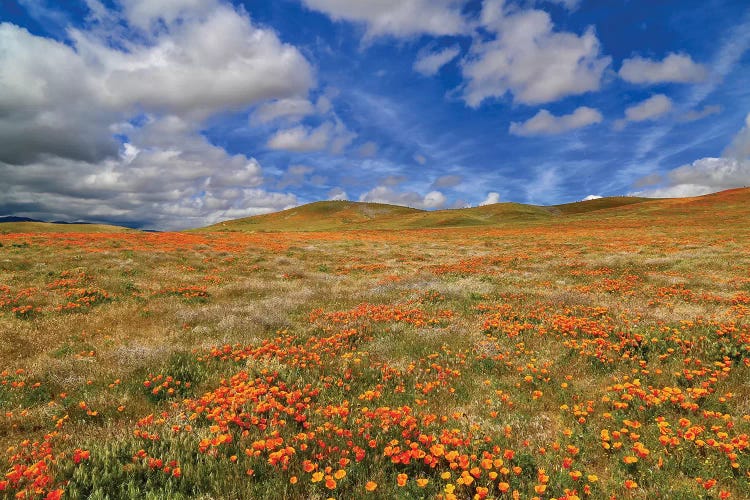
488,329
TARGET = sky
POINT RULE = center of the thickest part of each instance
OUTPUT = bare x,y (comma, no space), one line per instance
169,114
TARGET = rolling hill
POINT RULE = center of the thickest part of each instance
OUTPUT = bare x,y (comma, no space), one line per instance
350,215
321,216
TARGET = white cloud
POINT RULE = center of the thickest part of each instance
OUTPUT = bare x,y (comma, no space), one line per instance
433,199
429,63
491,199
144,13
197,66
168,177
703,176
699,114
50,102
675,68
650,109
706,175
529,59
332,135
398,18
545,123
302,139
337,194
740,146
292,109
385,194
175,63
592,197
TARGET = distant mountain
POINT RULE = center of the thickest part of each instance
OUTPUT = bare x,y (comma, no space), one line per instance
14,224
12,218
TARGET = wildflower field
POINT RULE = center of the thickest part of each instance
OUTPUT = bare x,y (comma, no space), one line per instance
599,355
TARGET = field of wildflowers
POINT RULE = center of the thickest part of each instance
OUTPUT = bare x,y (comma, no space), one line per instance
598,356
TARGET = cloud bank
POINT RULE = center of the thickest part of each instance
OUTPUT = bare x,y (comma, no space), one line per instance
708,175
121,108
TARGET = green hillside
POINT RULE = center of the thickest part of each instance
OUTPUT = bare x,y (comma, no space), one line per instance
350,215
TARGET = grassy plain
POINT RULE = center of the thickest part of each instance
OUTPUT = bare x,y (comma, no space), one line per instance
596,352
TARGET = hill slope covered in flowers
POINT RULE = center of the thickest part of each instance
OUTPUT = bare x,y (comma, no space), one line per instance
597,354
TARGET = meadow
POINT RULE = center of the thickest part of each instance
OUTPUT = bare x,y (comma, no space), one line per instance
601,354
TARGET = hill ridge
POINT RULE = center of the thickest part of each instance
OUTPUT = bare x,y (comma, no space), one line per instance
354,215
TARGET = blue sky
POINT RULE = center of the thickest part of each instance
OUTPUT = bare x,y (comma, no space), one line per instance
177,113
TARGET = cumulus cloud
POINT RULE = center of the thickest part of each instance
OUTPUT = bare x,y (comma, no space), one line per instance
292,109
545,123
337,194
674,68
144,13
699,114
386,194
434,199
650,109
429,63
397,18
592,197
302,139
530,59
168,177
149,73
199,65
491,199
330,134
703,176
46,107
740,146
706,175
